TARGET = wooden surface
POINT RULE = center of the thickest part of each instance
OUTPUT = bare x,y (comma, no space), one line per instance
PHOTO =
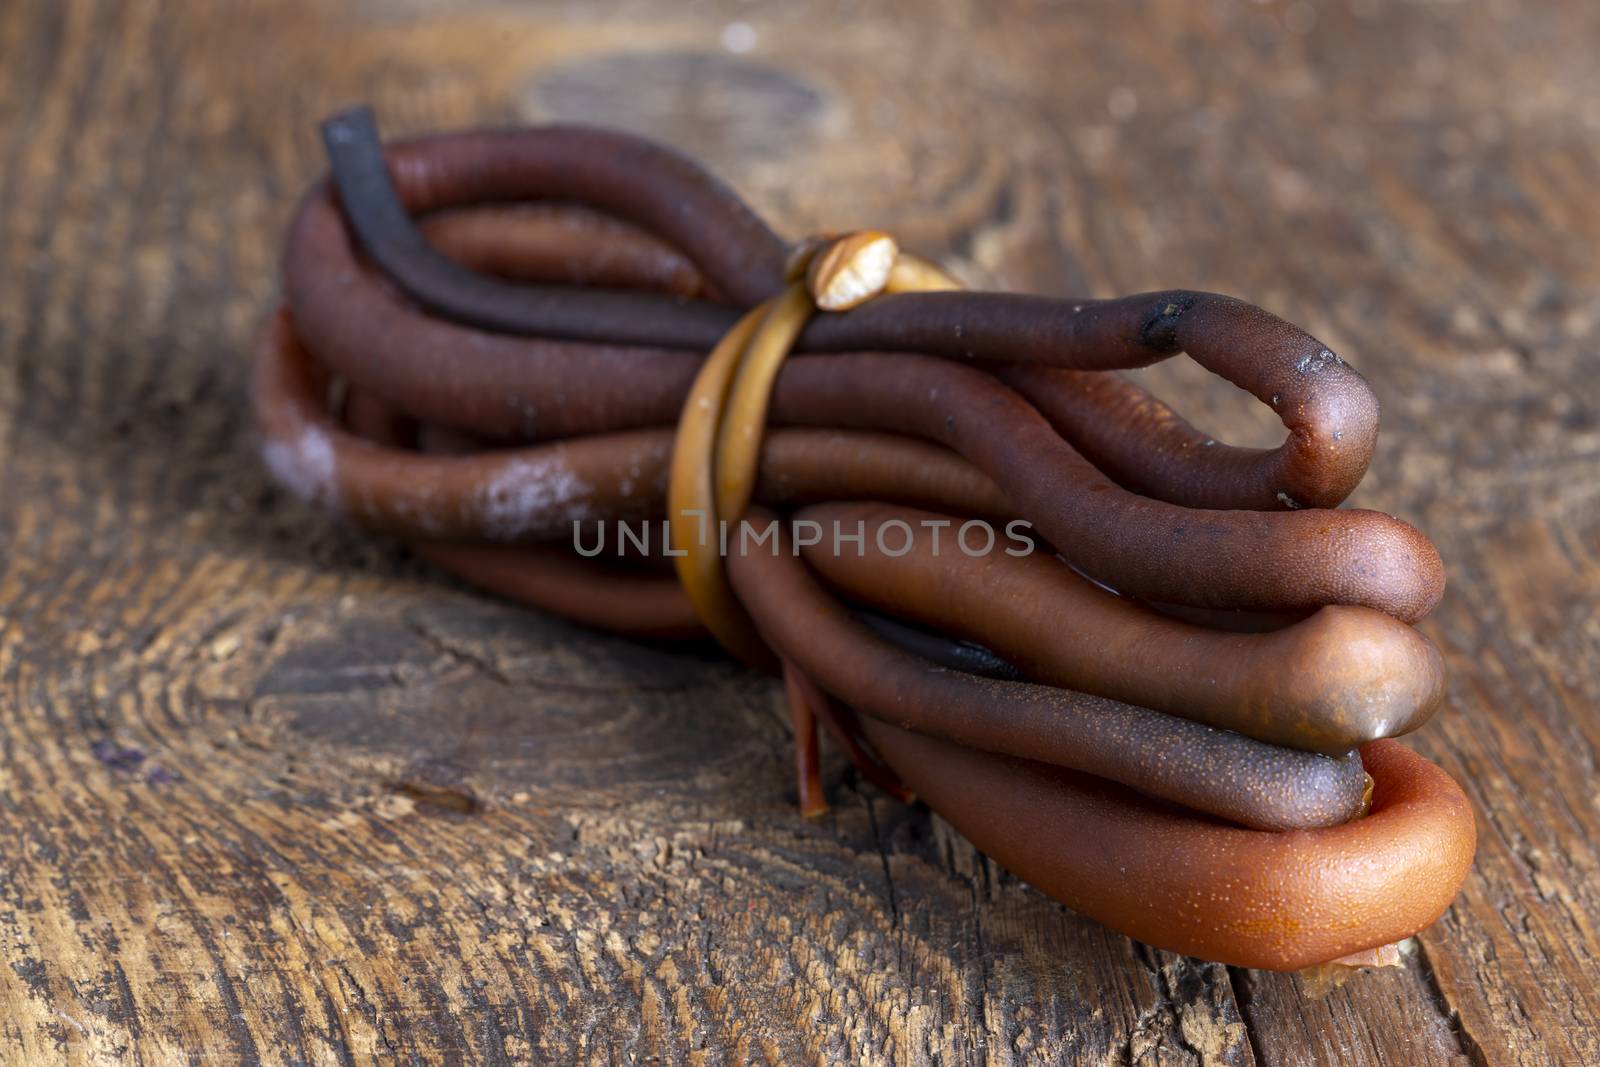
271,792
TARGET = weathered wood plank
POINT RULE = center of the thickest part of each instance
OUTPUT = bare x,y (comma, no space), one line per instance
269,791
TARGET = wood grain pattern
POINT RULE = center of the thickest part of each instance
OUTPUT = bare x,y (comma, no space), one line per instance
270,792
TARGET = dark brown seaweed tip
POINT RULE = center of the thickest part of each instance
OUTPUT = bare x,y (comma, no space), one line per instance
1357,675
1414,570
349,125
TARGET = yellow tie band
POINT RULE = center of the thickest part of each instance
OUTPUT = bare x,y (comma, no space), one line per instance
717,451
